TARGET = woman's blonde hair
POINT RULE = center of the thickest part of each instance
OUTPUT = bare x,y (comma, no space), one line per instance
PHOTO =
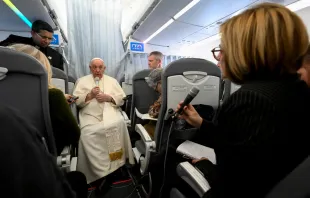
266,40
34,52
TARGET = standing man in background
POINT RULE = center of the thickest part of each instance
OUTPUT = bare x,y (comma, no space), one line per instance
155,60
41,37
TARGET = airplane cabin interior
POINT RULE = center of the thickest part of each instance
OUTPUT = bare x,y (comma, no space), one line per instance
123,33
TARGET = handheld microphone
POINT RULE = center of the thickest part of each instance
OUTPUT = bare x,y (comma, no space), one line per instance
97,81
191,95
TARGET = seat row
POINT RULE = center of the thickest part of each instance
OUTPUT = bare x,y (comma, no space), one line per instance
24,86
177,79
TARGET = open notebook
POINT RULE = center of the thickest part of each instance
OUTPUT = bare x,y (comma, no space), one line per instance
193,150
145,116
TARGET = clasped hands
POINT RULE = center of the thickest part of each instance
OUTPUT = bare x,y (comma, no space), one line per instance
100,96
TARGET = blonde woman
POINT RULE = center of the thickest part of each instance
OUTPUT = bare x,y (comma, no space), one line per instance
65,128
259,133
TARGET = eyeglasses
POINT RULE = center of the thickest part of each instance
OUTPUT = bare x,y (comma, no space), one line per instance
45,38
216,53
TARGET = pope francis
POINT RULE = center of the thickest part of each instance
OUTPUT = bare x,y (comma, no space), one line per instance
104,143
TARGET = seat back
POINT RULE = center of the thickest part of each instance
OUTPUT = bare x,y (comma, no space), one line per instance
71,83
60,79
143,96
295,184
177,80
229,88
25,88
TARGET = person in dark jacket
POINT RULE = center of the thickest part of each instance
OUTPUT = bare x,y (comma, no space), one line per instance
28,170
41,37
259,135
65,128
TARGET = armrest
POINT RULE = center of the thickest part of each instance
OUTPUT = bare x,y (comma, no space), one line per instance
193,177
143,133
126,118
150,147
74,111
65,151
73,164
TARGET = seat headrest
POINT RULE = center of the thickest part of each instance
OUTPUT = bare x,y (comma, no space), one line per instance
3,72
18,62
58,73
141,75
71,79
191,64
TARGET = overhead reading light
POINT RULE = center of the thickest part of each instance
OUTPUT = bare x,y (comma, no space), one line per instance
17,12
178,15
298,5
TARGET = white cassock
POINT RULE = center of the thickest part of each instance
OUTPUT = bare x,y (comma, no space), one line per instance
104,143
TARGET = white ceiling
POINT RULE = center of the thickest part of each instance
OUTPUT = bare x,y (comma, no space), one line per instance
9,21
199,23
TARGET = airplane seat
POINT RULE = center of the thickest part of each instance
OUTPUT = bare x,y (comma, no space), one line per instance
177,80
127,88
71,83
143,96
194,178
229,88
24,86
295,184
128,91
60,80
175,193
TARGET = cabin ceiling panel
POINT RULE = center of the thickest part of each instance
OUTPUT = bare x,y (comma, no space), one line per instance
32,9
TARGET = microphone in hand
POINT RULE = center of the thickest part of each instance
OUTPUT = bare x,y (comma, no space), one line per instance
191,95
97,81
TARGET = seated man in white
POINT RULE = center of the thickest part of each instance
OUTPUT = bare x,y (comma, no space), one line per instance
104,143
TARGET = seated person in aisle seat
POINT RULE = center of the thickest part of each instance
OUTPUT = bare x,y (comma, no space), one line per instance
41,37
105,143
304,71
155,60
154,81
264,120
65,128
28,170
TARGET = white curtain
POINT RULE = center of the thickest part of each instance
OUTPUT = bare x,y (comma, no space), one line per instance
133,62
94,30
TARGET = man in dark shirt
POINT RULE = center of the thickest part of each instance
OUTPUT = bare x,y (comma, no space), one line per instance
28,169
42,35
